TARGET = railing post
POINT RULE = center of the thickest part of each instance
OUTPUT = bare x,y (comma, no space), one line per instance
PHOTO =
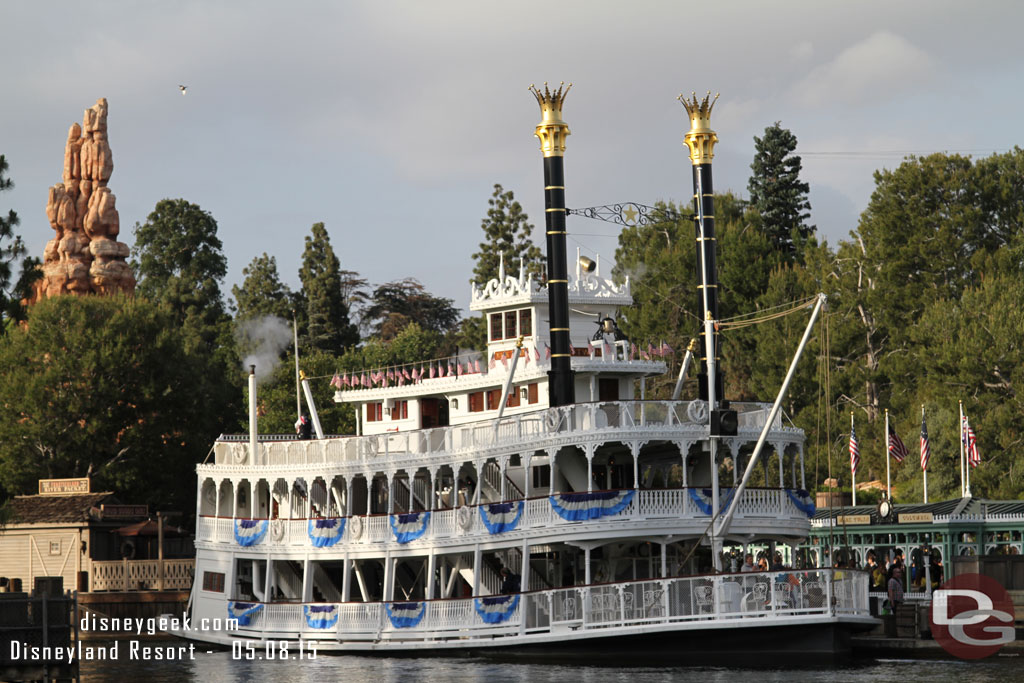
828,592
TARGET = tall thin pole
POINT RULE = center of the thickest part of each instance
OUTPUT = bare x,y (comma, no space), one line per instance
965,432
553,131
963,479
888,479
700,140
924,465
298,387
853,471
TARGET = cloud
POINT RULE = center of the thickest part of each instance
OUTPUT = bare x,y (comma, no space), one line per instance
875,69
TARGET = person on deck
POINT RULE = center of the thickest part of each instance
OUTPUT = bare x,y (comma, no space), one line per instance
509,582
748,564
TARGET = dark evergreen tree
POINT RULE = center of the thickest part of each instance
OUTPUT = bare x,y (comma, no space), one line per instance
507,233
12,249
777,194
327,325
262,293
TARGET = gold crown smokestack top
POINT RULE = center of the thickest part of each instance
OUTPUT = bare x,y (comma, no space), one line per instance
553,131
701,143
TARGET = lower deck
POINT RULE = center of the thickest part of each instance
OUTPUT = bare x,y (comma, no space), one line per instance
806,600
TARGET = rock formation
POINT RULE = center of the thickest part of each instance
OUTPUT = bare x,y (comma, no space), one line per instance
85,256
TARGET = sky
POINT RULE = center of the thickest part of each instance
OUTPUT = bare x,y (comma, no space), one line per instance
391,121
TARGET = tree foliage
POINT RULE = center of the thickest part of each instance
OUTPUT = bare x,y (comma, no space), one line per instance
507,234
262,293
777,194
104,387
11,250
394,305
179,261
327,324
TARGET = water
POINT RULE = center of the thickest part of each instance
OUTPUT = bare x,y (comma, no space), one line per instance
221,667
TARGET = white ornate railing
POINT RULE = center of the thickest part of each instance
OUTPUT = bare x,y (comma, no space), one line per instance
514,431
645,505
135,575
738,599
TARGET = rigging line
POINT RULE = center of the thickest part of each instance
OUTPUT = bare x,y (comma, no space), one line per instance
763,319
796,305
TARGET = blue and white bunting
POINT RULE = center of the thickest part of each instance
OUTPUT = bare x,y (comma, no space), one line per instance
501,517
497,609
410,526
243,612
802,500
406,614
320,616
323,533
703,499
250,531
577,507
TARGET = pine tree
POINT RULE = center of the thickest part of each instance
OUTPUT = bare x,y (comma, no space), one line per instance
777,193
10,297
507,233
262,292
328,327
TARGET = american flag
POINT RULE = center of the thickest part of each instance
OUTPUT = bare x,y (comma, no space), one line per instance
854,451
896,448
925,450
971,444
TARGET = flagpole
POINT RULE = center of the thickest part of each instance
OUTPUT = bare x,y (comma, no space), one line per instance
888,478
924,466
853,471
963,490
967,433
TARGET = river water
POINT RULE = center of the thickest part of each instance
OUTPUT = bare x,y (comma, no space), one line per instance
222,667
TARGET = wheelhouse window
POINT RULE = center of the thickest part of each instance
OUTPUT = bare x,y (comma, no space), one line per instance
511,324
526,322
496,329
374,412
476,402
400,411
531,393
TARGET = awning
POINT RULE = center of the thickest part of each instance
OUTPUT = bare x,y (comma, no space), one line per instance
149,528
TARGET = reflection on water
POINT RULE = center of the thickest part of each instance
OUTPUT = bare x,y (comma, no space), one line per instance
220,667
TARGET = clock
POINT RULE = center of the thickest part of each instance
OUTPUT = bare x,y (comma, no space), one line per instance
885,509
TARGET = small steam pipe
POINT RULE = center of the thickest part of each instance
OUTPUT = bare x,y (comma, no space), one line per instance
312,408
253,433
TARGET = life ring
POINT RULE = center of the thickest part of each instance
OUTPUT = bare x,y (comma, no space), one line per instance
355,527
697,411
277,530
239,453
127,549
551,419
465,516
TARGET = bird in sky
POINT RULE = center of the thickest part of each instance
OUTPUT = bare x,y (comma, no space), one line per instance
182,88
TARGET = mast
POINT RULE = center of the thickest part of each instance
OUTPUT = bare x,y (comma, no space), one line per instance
701,142
552,131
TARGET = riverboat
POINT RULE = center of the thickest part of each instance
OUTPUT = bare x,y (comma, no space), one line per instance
482,508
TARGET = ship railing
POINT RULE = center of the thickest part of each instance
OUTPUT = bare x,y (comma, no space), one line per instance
538,512
759,598
517,430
